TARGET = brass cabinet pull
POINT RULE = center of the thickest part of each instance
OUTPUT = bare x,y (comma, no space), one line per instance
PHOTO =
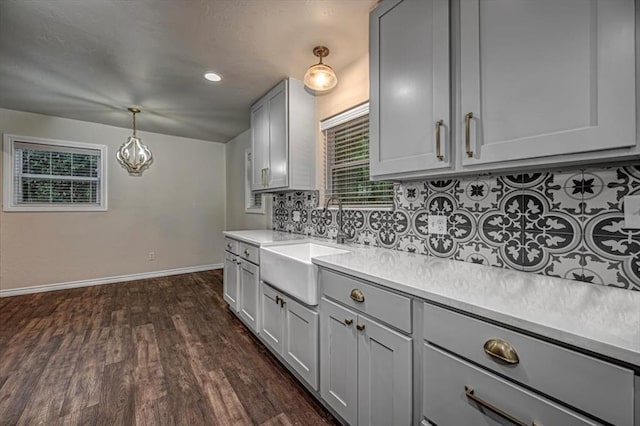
277,300
360,327
246,253
467,133
499,349
348,321
357,295
282,302
439,155
229,246
469,392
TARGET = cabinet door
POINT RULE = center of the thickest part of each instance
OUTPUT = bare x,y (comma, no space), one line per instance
409,66
278,136
230,281
259,145
545,77
339,360
271,318
301,341
384,375
249,278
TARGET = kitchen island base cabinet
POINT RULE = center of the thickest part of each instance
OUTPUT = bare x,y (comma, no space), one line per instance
458,393
366,368
291,331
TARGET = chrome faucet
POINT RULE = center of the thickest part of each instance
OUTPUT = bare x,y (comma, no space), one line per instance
341,238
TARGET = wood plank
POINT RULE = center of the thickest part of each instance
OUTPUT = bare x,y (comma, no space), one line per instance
84,387
117,402
148,376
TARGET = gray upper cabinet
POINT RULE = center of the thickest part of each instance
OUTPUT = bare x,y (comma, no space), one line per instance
545,78
409,71
532,83
283,139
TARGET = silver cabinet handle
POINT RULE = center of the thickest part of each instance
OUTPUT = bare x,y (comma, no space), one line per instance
467,133
439,155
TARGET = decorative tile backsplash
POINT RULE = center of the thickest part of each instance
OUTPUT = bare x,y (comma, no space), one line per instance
567,224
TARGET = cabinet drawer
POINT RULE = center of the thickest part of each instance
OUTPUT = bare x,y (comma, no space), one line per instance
447,381
232,246
597,387
384,305
250,253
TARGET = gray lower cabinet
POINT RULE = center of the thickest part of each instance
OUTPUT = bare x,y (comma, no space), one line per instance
290,329
459,393
231,280
515,374
366,368
248,298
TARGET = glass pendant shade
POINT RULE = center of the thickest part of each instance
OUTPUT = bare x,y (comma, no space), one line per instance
133,155
320,77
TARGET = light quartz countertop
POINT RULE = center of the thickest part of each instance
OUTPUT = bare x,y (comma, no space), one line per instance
261,237
599,319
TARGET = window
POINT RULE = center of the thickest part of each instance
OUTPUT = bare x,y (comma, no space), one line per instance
346,138
253,202
51,175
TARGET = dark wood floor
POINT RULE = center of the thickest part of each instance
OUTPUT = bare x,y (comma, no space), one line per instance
162,351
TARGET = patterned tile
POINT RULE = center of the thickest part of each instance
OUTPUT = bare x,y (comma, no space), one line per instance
560,223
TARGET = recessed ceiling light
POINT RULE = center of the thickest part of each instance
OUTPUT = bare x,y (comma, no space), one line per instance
212,76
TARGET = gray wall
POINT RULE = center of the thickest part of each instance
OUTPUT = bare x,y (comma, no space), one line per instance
175,209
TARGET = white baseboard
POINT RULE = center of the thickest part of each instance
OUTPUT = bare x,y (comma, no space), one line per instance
108,280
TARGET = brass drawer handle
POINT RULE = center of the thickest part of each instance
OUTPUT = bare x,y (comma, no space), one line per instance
439,155
229,246
501,350
246,253
357,295
348,321
360,327
277,300
469,392
467,133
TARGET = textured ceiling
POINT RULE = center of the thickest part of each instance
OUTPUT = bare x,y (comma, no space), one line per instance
91,59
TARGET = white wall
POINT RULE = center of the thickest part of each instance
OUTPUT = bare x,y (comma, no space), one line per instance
175,209
236,217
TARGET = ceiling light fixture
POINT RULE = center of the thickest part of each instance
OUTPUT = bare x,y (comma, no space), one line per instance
133,155
320,77
212,76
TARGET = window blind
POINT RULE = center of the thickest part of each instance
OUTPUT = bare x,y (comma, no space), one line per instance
49,174
253,201
346,144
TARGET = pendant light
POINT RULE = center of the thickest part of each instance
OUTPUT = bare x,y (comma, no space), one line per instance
320,77
133,155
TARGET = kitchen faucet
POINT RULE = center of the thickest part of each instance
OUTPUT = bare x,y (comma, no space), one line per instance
341,237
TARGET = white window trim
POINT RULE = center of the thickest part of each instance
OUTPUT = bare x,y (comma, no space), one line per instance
336,120
8,204
248,208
